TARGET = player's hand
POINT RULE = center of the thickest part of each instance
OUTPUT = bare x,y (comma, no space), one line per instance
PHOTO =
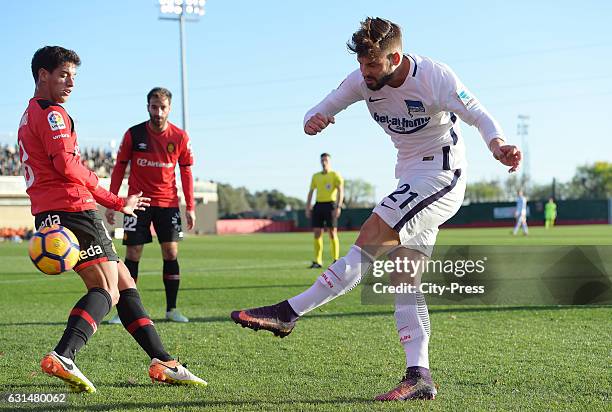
337,212
190,217
508,155
134,203
317,123
110,216
308,213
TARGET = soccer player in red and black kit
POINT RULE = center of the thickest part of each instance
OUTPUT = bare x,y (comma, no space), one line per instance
153,148
63,191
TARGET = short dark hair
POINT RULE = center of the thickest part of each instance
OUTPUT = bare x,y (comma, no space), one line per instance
51,57
375,36
324,155
160,93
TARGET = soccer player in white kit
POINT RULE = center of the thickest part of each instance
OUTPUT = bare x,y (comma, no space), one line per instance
417,102
521,214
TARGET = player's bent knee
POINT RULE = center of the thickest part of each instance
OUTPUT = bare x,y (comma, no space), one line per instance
113,292
375,232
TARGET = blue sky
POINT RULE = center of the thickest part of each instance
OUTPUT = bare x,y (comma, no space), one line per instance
254,68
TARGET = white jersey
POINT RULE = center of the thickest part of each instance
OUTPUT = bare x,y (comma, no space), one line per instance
420,115
521,205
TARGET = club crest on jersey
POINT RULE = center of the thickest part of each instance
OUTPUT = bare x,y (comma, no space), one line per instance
170,147
414,106
56,121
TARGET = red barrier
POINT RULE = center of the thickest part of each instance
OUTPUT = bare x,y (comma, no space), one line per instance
237,226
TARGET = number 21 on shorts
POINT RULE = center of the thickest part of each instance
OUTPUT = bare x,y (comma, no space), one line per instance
403,189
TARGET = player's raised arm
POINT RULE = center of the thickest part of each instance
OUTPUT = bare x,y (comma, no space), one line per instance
455,97
320,116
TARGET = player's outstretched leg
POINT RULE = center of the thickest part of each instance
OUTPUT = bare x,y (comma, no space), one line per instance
163,367
339,278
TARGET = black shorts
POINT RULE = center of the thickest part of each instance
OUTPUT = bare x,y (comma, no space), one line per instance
166,222
323,214
95,242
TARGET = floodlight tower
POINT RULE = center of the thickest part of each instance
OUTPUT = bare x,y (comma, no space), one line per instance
522,130
182,11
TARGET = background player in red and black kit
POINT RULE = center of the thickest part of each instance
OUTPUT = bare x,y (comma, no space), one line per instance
153,148
63,191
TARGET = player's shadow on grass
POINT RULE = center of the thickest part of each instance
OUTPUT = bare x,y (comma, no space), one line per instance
287,404
211,319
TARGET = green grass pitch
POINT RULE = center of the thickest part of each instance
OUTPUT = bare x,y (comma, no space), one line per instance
338,357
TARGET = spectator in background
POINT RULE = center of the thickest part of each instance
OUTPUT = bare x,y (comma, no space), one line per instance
99,160
550,213
9,161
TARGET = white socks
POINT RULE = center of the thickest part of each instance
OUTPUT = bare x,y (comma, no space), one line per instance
339,278
412,321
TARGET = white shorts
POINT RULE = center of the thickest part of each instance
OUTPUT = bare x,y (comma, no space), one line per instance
424,199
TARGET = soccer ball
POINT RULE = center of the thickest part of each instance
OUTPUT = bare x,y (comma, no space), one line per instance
54,249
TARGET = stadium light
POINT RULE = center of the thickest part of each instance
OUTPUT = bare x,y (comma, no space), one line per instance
182,11
522,130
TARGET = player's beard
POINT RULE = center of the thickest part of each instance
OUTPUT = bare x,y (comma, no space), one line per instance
380,83
158,122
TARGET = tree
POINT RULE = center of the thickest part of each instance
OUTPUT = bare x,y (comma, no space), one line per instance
540,191
484,191
592,181
239,201
358,193
232,200
516,182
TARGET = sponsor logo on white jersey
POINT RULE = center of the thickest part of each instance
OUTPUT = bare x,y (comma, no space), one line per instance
150,163
56,121
402,125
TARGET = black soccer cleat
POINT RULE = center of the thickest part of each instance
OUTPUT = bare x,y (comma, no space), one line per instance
266,318
416,384
315,265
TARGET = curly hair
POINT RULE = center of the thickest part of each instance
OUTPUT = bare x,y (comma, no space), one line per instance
51,57
375,36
